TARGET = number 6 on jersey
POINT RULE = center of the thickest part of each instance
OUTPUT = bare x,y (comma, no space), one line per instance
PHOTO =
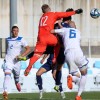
72,33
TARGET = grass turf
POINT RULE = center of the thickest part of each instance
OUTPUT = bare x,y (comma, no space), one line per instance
53,96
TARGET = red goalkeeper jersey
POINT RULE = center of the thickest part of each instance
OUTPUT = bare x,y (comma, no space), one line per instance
48,20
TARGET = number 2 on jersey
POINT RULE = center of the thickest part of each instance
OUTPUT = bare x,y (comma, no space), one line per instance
43,21
72,33
11,47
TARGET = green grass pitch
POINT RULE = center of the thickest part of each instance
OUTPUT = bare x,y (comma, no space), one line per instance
53,96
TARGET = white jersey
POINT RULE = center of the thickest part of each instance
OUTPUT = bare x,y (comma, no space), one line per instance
73,54
70,37
14,48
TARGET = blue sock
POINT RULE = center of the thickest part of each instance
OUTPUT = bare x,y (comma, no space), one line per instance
60,88
39,82
58,80
58,77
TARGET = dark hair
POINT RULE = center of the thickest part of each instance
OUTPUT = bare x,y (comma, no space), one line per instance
68,18
66,25
44,7
56,26
69,9
14,27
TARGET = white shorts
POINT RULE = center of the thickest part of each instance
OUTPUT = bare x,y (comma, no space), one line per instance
75,59
14,68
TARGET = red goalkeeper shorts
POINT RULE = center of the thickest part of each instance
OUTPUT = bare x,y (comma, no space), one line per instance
44,41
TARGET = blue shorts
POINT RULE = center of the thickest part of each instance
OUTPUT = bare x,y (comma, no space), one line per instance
48,64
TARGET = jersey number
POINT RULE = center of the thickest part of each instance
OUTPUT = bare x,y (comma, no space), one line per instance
11,47
72,33
43,21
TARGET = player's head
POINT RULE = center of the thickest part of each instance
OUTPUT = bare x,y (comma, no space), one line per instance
56,26
15,31
45,8
68,18
66,25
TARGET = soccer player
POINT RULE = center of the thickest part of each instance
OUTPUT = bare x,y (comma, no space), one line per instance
47,67
15,46
74,58
44,68
66,22
45,38
61,24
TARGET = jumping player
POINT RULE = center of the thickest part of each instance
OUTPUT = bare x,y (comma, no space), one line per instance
66,20
47,67
45,38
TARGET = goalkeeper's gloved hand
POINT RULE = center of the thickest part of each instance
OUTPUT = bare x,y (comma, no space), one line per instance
79,11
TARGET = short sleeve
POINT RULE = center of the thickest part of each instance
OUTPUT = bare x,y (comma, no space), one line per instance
24,43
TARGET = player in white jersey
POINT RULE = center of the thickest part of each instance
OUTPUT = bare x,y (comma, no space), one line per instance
15,45
74,58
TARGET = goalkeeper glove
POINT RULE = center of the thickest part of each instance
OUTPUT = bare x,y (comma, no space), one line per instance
79,11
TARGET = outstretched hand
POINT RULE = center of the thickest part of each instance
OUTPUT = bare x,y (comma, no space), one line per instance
79,11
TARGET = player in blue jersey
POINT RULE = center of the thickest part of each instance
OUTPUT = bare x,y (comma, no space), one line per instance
45,68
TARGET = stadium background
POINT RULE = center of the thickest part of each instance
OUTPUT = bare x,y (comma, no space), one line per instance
28,14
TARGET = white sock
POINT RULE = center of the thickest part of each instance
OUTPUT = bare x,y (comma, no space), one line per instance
76,79
82,84
41,90
6,84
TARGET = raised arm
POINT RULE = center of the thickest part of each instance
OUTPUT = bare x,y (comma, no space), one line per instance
67,14
64,14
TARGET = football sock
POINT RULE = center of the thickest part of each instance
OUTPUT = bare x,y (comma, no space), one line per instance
39,82
82,84
58,77
60,88
16,78
7,81
58,80
76,79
